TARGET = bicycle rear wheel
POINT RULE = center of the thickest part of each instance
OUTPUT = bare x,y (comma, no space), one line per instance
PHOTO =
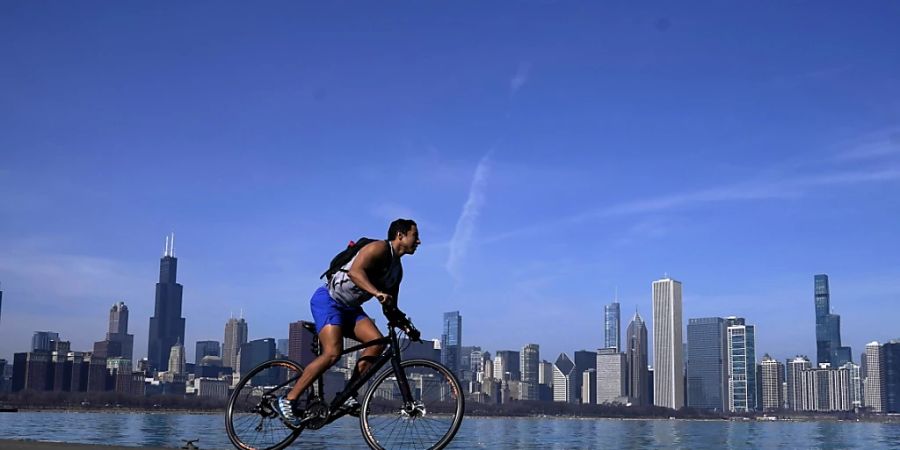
250,419
430,422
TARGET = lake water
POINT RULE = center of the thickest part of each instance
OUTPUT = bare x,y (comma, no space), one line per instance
171,430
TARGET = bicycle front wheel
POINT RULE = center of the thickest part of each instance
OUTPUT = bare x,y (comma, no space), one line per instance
429,422
250,419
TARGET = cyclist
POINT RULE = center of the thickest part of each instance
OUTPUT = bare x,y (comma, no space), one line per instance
336,308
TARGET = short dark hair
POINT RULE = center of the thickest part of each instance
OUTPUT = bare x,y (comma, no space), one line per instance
400,226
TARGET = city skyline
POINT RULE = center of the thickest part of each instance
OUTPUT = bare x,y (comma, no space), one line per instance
616,143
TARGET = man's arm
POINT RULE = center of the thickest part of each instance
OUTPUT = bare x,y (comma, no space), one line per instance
370,257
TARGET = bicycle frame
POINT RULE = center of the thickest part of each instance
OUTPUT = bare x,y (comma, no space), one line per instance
391,353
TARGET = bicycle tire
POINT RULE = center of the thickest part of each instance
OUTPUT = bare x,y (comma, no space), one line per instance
249,405
434,387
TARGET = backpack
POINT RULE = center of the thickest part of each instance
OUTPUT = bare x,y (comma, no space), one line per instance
346,256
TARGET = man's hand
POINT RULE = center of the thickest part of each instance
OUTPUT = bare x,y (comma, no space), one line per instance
386,300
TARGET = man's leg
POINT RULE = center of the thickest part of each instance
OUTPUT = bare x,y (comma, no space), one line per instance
366,331
332,342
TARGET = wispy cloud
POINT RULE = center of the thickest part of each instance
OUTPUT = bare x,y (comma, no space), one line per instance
520,78
465,225
873,146
747,191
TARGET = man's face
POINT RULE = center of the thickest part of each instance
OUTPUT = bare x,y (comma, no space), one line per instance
410,240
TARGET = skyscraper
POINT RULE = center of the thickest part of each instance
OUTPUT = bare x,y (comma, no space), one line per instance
299,343
828,327
166,325
584,360
795,368
256,352
874,382
707,378
235,336
176,359
637,381
772,379
118,329
668,365
741,365
891,354
611,323
564,384
451,341
611,376
531,358
205,348
506,365
42,340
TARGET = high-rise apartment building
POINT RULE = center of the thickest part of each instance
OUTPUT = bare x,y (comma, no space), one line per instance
741,358
707,377
856,392
874,397
668,363
235,336
612,376
828,327
636,362
794,391
772,372
166,325
451,341
825,389
611,326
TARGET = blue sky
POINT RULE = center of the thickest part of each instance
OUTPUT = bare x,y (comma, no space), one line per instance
550,152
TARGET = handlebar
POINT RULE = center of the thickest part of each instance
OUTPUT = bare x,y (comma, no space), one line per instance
397,318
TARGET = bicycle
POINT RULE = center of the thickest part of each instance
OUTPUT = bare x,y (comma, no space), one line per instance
415,403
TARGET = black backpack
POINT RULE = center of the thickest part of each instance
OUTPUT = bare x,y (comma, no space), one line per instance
346,256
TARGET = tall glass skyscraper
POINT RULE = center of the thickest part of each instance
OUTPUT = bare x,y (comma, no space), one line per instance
530,361
828,327
205,348
451,341
636,361
41,340
741,359
611,328
706,365
166,325
668,345
891,353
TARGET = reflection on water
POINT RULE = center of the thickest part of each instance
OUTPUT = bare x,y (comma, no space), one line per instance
172,430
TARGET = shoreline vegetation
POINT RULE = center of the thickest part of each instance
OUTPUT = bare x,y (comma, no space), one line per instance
33,401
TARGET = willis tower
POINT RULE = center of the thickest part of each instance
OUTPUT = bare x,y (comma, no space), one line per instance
166,325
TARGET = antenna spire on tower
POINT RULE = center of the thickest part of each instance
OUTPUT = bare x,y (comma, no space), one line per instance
172,250
166,251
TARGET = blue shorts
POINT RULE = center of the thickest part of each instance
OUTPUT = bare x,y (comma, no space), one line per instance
328,311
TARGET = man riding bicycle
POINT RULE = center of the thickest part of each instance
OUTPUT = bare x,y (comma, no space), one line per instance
375,271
